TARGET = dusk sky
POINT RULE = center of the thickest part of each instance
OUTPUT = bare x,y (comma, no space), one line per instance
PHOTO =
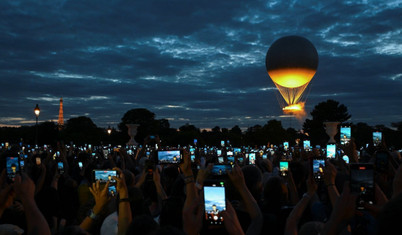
197,62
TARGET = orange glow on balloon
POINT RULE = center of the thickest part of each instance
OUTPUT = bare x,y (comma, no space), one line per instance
291,77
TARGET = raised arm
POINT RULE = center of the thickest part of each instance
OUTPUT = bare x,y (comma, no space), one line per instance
343,210
191,191
101,199
159,189
329,180
6,193
41,179
237,178
294,216
25,190
125,216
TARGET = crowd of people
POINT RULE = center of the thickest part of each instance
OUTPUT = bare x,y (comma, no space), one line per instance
205,190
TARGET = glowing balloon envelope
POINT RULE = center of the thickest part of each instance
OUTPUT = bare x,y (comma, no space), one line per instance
291,63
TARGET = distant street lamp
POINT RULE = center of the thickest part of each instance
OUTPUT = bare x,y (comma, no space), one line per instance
37,112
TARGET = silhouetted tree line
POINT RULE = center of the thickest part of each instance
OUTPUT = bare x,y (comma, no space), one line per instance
81,130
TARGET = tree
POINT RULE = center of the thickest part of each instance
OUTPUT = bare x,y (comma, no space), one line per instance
82,130
236,136
275,133
187,134
329,110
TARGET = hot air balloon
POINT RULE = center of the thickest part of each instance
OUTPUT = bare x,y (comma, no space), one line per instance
291,63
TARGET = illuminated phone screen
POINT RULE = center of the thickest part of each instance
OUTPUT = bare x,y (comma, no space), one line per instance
214,203
331,149
345,134
377,138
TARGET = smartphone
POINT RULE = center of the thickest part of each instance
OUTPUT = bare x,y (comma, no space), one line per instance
112,190
251,158
105,175
169,156
220,160
285,145
331,150
264,156
346,159
60,167
22,165
192,154
318,169
229,153
377,138
214,202
80,165
219,152
381,161
13,167
362,182
231,160
345,135
237,151
218,170
283,168
306,145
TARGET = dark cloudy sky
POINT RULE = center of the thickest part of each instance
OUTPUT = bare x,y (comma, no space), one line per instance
197,62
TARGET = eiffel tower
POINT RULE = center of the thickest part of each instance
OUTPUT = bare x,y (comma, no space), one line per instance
60,122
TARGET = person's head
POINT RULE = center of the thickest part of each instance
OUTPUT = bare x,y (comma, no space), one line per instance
275,193
253,179
169,176
311,228
142,225
172,212
129,177
214,207
299,173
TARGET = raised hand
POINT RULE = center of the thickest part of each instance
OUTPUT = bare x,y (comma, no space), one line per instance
100,195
